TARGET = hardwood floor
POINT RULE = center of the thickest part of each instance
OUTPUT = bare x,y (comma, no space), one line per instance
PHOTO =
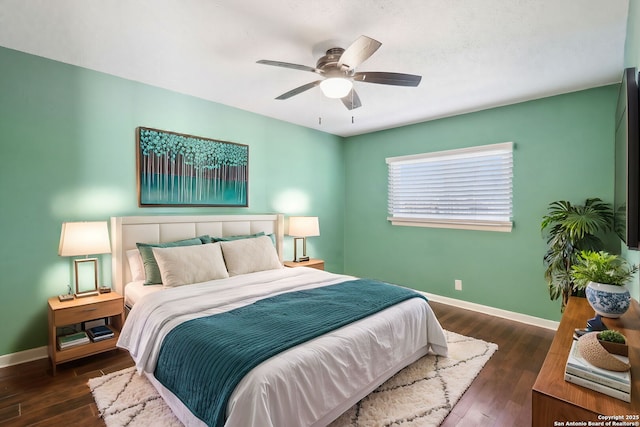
499,396
30,396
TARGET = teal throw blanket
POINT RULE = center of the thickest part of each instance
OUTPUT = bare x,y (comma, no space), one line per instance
202,360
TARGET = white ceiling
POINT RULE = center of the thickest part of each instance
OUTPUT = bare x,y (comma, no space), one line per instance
472,54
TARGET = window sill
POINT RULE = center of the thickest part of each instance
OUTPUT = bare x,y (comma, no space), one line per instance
504,227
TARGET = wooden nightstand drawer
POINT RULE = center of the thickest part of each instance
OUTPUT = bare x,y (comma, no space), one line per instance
71,315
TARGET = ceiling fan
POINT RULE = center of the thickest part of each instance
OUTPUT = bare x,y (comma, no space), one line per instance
338,69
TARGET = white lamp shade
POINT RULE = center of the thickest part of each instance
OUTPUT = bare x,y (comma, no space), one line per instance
304,226
84,238
336,87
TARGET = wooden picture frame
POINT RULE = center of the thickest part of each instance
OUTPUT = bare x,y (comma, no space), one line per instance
175,169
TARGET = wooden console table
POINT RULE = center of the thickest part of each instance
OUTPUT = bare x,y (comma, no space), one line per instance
556,401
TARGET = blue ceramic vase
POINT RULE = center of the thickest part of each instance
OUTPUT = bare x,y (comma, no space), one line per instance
608,300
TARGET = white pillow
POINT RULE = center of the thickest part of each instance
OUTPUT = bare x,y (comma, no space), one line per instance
184,265
250,255
135,265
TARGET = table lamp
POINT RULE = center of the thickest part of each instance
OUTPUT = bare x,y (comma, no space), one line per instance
301,227
84,239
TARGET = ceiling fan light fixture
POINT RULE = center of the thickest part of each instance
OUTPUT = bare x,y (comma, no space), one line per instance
337,69
336,87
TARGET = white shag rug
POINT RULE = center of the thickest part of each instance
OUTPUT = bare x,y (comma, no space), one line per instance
420,395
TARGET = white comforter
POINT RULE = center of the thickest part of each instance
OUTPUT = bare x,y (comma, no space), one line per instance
307,385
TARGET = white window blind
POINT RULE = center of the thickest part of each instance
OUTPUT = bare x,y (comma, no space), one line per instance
466,188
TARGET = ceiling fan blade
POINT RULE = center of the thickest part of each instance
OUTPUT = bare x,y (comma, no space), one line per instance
359,51
288,65
299,90
352,100
396,79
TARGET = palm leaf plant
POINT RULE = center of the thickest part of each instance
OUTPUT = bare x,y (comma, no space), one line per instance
571,229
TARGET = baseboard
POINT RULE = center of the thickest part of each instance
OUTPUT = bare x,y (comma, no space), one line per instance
23,356
505,314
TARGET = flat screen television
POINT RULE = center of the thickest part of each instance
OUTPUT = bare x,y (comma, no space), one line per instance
627,161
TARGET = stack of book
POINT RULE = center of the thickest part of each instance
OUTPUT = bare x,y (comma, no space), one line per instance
72,340
612,383
99,333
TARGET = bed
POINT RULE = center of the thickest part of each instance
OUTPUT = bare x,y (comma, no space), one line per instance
309,382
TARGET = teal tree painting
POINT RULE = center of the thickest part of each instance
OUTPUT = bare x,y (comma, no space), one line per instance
184,170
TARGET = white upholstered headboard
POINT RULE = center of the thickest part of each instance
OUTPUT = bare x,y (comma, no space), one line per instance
126,231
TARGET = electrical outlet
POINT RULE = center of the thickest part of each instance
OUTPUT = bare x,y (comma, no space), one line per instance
458,285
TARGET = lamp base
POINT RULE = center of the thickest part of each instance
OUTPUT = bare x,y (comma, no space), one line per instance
66,297
301,259
86,294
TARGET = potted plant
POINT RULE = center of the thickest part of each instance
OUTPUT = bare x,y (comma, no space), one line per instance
603,277
614,342
570,229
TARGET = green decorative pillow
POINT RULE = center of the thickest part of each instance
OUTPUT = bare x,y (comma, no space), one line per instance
151,270
205,239
238,237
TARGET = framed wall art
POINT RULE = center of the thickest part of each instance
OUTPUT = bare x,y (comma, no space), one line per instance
174,169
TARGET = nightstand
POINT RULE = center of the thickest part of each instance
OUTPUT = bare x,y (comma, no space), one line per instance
313,263
67,313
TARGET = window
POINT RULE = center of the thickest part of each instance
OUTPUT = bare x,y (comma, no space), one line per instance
467,188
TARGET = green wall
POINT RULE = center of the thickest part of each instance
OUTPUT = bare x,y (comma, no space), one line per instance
563,151
68,154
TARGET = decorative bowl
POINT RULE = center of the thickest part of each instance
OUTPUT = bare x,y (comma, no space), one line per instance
592,351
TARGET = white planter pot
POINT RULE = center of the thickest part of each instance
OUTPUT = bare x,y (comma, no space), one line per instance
608,300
